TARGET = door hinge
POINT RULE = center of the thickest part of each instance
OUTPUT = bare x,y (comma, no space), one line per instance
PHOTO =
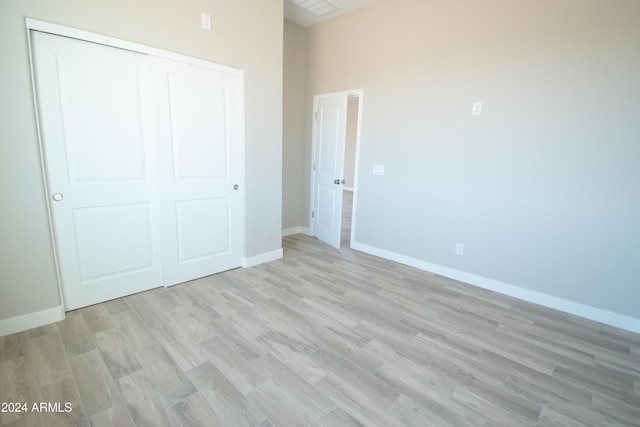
313,214
315,116
314,167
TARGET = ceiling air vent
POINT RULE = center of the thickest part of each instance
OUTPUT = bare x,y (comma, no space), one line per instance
317,7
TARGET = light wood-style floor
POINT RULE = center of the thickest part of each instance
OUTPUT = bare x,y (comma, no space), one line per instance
323,337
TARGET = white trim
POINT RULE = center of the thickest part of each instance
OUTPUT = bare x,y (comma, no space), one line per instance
596,314
296,230
243,174
31,320
61,30
262,258
356,169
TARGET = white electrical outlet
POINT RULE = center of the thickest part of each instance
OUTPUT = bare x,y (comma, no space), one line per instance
476,109
459,248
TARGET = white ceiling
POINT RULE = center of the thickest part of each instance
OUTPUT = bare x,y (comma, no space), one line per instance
310,12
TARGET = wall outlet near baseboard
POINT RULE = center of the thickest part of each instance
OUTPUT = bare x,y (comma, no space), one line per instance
459,248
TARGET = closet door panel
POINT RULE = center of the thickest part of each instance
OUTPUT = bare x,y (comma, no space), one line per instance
203,228
199,128
200,146
95,139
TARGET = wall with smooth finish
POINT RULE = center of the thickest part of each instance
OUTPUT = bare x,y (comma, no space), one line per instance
293,126
245,34
542,187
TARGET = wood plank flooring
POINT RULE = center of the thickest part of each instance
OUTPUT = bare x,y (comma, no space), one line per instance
322,337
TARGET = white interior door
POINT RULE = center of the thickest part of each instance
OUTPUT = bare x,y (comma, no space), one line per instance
198,125
92,105
329,135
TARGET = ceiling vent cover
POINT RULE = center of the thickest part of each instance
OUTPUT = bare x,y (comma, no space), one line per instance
317,7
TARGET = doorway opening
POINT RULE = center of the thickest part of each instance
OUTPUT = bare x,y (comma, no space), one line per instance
351,140
336,136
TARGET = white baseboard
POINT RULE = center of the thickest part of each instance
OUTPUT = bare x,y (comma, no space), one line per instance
296,230
262,258
596,314
31,320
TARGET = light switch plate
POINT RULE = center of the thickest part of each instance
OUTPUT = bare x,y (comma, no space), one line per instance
378,169
206,21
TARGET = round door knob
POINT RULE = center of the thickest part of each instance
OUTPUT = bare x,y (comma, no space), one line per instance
57,197
236,186
336,181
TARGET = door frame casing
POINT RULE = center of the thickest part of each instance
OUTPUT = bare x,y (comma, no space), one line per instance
359,93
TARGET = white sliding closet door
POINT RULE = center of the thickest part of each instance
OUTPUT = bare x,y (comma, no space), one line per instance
94,121
143,165
198,126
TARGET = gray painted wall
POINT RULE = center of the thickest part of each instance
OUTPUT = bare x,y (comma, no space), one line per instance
293,127
246,34
544,187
